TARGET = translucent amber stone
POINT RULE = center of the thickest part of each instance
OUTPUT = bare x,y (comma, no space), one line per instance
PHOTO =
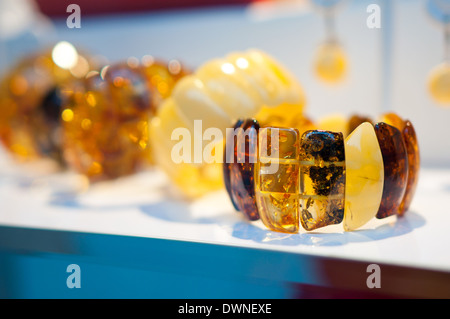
239,168
218,93
322,179
364,177
412,149
395,161
278,179
106,122
30,101
330,63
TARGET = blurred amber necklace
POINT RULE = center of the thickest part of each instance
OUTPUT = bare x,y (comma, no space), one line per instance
439,77
330,63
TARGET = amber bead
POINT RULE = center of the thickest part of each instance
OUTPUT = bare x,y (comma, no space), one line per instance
395,161
277,179
412,149
106,122
30,99
240,156
322,179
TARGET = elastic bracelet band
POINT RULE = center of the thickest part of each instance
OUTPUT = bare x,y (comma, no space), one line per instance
318,179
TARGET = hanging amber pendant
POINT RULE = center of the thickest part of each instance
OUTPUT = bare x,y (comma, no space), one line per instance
439,84
395,161
330,63
240,156
322,179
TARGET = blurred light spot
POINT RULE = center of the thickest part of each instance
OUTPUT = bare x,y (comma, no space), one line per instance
147,60
90,99
103,71
65,55
174,67
81,68
228,68
67,115
242,63
133,62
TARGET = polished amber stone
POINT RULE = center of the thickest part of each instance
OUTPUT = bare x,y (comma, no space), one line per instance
106,122
322,179
364,177
277,178
395,161
31,101
412,149
239,167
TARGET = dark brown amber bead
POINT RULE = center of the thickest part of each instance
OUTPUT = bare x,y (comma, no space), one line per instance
239,167
412,148
395,161
322,179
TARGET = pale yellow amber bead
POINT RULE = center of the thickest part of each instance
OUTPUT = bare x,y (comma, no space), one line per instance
364,177
439,83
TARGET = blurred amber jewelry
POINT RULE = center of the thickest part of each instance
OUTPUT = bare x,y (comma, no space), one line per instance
439,83
330,62
30,101
320,179
218,93
106,117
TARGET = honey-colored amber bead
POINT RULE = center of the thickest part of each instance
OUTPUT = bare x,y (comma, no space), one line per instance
322,179
31,101
395,161
239,167
412,149
364,177
106,122
277,179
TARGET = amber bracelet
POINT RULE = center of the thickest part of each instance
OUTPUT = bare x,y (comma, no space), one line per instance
321,178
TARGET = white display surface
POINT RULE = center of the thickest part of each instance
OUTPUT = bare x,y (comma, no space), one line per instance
145,205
